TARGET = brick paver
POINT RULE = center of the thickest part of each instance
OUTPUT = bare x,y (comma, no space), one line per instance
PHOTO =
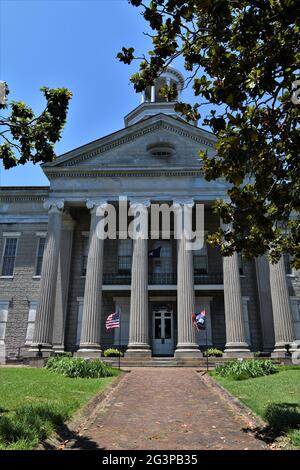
166,408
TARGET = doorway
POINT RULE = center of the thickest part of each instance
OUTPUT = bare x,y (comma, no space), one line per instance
163,331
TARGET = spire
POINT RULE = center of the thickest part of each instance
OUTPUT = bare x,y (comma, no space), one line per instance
152,101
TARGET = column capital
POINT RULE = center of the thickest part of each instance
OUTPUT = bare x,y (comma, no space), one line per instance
94,204
183,202
135,203
54,205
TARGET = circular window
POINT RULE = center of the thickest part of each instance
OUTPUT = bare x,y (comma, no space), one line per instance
161,150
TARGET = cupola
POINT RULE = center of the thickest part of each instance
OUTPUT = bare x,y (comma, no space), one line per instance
153,102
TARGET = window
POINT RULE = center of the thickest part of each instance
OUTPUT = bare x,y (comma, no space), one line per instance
124,255
79,320
31,322
287,263
245,301
9,256
295,307
164,263
85,251
200,260
39,255
241,264
3,319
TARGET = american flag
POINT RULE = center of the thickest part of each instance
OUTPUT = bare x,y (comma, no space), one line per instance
113,321
198,320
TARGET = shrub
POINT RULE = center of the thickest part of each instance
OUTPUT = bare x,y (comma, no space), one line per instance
241,370
282,416
112,352
30,423
213,352
78,367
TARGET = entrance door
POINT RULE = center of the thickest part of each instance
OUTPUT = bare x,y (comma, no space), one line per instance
163,331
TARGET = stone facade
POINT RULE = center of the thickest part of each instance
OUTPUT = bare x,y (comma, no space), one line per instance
80,281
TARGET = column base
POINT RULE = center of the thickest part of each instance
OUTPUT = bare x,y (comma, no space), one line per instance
58,348
86,352
32,353
238,353
136,351
280,351
239,350
187,352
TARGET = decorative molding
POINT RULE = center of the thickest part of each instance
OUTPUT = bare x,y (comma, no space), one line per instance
88,173
22,197
130,138
23,219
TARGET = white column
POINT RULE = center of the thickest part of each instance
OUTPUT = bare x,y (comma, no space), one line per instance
92,306
265,302
186,345
45,311
63,279
153,94
236,344
139,316
282,314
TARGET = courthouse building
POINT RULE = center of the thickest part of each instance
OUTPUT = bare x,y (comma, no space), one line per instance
59,281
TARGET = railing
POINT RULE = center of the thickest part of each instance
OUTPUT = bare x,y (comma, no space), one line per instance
162,279
116,279
211,278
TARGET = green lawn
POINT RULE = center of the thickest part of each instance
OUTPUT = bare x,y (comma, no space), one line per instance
32,398
276,398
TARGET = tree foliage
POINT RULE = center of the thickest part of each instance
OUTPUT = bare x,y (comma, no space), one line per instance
26,137
243,58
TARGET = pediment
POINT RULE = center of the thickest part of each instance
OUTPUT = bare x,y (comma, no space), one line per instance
130,147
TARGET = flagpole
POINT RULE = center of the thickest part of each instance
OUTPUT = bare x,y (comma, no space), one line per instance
206,348
119,338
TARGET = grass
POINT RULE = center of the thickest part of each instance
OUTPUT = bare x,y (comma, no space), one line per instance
276,398
33,402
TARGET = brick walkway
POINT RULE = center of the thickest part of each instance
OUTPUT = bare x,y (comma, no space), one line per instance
166,408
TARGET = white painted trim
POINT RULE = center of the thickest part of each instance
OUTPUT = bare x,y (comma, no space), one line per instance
6,277
41,234
11,234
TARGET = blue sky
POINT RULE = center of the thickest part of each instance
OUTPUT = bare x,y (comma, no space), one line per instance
73,44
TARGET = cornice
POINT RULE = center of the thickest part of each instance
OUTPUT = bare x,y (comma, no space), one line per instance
22,197
129,138
92,173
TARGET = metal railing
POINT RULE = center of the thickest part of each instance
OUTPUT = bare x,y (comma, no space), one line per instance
162,279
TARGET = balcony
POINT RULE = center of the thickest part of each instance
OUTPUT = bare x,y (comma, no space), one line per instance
162,279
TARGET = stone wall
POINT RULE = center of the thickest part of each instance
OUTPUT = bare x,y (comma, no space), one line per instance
24,286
